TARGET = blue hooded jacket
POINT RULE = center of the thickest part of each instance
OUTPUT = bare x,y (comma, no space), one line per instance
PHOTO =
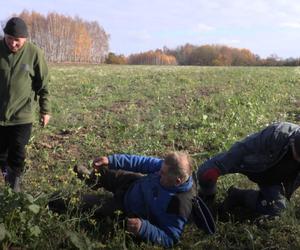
163,211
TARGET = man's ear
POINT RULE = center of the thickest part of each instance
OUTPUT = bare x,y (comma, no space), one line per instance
178,181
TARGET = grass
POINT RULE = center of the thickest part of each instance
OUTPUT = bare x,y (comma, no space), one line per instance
148,110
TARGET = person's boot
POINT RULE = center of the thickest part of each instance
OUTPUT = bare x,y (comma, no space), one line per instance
3,171
234,198
13,179
82,172
16,184
90,178
239,198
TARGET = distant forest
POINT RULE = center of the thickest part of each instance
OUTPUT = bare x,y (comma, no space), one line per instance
205,55
73,40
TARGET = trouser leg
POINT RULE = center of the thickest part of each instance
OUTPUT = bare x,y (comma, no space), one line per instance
3,149
101,206
18,137
114,181
269,200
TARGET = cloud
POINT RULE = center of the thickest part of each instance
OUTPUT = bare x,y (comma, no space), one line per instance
201,27
229,41
293,25
141,35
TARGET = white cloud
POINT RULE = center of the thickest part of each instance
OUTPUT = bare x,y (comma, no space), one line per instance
229,41
142,35
201,27
293,25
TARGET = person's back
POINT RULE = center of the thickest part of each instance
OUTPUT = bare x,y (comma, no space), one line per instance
269,157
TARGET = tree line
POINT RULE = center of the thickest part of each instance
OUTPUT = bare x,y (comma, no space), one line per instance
213,55
221,55
67,39
157,57
205,55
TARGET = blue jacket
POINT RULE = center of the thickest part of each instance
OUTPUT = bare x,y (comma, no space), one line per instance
163,211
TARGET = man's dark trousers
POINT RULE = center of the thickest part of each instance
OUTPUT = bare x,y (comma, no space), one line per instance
13,140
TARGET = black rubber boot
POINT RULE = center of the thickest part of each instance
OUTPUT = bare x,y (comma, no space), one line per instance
13,179
3,171
239,198
90,178
82,172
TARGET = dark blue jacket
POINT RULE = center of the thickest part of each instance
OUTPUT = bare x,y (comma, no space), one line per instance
163,211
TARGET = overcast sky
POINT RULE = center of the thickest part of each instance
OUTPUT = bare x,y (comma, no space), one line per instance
264,26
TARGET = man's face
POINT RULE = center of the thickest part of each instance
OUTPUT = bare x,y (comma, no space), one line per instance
13,43
167,180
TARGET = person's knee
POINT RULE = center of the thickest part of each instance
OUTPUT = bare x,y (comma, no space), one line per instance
207,179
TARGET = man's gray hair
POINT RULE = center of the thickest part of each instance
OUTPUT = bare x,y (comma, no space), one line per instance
180,164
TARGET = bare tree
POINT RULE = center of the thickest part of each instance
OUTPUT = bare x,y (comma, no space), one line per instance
67,39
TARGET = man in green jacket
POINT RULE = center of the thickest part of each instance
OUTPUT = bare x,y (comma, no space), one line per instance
23,79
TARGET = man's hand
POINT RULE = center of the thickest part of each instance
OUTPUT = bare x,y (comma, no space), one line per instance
100,162
44,119
133,225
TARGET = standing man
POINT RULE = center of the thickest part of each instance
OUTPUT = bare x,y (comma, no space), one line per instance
23,77
270,158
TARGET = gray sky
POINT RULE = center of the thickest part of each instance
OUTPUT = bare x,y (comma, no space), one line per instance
264,26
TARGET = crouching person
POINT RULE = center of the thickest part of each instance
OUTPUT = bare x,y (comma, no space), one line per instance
270,158
155,194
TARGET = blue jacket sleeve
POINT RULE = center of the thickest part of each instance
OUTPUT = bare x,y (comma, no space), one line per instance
167,235
134,163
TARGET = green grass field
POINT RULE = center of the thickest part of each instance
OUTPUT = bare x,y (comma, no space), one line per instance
147,110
